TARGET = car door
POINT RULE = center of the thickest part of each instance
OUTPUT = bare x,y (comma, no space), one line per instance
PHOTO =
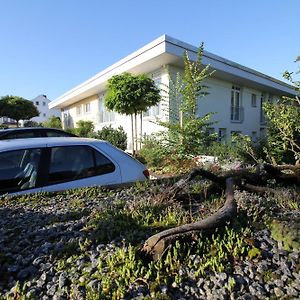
79,166
19,171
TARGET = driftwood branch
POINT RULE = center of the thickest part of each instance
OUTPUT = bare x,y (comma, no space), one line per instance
156,245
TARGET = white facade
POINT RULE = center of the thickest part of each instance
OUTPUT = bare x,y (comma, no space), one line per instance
41,102
235,92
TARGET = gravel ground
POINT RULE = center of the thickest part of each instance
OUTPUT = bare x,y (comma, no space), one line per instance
31,233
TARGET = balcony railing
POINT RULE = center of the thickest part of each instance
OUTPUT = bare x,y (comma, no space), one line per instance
237,114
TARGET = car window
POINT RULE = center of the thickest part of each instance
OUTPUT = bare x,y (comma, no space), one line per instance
22,134
18,170
56,133
76,162
103,164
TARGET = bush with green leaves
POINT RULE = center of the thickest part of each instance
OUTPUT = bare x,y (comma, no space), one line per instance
84,128
153,151
116,137
53,122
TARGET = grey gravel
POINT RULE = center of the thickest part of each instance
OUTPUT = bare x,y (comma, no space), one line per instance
32,234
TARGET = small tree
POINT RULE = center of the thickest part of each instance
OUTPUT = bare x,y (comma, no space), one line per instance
131,94
17,108
188,133
53,122
284,125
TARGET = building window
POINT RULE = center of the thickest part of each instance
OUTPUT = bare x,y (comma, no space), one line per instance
87,108
236,108
44,103
262,113
37,103
253,100
79,110
44,115
154,110
222,135
104,114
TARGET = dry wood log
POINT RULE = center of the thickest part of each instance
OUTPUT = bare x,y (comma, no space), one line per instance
157,244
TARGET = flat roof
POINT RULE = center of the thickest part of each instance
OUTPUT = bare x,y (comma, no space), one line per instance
168,50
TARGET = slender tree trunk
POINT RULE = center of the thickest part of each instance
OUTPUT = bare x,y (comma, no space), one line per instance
141,132
136,132
132,135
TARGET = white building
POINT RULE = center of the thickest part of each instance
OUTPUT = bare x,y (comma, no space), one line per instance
236,93
41,102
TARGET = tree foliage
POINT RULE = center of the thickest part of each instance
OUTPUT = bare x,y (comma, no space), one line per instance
187,132
131,94
284,125
17,108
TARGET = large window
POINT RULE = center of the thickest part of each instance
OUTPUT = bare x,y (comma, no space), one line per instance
79,110
236,108
262,113
76,162
104,114
253,100
87,108
18,170
154,110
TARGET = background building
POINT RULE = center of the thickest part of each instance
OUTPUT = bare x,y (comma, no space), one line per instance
236,93
42,104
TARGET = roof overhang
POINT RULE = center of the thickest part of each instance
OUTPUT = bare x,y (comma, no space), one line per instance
168,51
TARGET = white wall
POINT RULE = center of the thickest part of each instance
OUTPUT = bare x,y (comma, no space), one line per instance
218,101
41,103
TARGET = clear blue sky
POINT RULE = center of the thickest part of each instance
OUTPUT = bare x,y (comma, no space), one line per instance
49,46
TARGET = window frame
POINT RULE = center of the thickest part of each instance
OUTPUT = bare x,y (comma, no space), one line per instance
236,109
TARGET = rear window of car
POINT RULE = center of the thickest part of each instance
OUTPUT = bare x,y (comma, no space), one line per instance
69,163
20,135
57,133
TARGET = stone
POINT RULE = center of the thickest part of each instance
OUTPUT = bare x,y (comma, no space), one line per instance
278,292
290,291
62,280
26,273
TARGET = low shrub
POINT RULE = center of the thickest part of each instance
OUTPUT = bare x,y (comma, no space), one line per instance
116,137
53,122
84,128
153,152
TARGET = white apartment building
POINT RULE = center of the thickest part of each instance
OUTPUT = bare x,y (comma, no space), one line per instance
236,93
41,102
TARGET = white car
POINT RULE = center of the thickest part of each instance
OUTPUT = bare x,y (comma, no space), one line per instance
60,163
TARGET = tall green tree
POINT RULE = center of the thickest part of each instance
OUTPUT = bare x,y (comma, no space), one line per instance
17,108
131,95
284,125
187,132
